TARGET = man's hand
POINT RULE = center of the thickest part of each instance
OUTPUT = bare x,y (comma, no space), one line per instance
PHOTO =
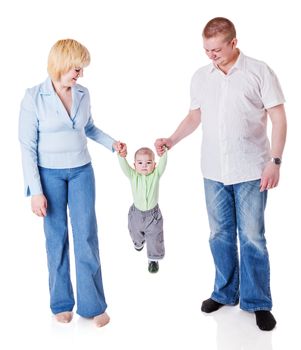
161,144
270,177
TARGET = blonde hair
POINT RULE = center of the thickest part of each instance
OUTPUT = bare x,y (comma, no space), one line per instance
64,55
219,25
145,150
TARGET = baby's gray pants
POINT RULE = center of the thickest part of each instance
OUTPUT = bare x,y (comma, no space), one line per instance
147,226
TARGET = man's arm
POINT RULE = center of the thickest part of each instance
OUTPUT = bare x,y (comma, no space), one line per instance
271,173
188,125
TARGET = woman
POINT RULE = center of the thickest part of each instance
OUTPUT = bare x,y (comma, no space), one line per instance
55,121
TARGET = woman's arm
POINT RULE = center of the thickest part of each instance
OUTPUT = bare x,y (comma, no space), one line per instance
28,137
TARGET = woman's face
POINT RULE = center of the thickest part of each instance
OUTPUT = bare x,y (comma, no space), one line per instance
69,79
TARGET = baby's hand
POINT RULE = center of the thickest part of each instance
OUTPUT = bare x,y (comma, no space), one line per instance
121,148
162,145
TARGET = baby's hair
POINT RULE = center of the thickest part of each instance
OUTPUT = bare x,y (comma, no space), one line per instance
145,150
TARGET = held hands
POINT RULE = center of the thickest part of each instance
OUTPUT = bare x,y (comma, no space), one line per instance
39,205
270,177
120,148
161,144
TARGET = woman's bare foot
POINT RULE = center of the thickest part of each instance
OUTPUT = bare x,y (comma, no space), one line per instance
64,317
101,320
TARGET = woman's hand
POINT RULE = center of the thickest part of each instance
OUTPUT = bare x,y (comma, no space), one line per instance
121,148
39,205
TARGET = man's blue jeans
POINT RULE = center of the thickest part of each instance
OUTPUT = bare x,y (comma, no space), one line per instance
73,188
239,209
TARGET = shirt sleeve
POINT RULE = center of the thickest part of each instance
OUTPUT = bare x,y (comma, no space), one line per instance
28,137
195,102
271,92
162,164
127,170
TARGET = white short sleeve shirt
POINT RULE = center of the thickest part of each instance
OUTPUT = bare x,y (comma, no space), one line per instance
235,146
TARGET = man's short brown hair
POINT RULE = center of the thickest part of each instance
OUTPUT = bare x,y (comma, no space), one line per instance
219,25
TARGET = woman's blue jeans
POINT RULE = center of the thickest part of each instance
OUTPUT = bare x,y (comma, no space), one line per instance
73,188
239,209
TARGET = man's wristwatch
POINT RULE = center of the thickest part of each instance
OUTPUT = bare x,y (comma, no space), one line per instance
276,161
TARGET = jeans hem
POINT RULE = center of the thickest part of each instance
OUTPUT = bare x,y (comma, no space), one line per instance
91,315
64,309
253,309
232,303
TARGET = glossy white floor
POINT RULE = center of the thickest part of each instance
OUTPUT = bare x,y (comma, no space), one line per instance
147,311
143,56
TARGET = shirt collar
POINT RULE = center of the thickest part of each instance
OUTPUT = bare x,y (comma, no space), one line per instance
240,62
238,65
48,89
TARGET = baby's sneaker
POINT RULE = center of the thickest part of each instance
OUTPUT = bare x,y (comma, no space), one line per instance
153,266
139,248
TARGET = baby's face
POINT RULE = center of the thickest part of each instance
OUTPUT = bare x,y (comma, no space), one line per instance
144,164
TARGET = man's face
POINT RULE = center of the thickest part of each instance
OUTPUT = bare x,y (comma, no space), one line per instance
144,164
219,50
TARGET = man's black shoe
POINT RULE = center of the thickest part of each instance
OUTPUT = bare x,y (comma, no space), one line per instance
210,305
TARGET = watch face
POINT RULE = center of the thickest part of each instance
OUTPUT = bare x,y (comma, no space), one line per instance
277,161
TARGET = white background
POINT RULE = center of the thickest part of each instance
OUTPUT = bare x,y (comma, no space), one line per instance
143,56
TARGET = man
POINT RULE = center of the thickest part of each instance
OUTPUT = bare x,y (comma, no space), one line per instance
232,97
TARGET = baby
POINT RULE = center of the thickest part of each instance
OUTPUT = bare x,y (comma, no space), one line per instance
145,220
